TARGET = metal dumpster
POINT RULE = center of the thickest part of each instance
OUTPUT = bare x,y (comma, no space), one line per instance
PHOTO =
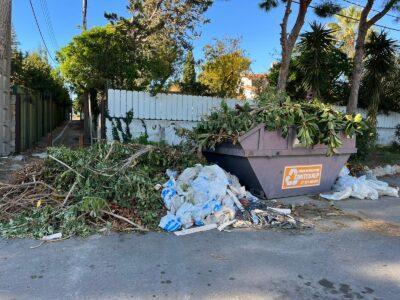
271,166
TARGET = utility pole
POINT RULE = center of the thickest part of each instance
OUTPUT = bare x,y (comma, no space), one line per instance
84,14
6,120
86,109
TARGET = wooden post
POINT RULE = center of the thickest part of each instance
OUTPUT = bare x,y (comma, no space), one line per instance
17,122
103,115
90,120
81,141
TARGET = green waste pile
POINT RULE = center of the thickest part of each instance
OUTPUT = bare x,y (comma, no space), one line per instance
315,123
78,192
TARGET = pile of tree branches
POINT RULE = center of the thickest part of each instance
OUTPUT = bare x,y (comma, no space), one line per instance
314,122
77,192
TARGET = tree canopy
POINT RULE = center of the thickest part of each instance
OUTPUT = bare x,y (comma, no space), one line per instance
140,52
319,69
224,64
103,56
33,71
189,72
321,63
380,53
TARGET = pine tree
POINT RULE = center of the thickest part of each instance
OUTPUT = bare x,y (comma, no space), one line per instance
189,73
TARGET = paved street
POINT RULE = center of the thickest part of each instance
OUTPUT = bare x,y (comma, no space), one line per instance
342,258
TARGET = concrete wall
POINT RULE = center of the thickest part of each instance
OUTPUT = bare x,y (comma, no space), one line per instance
7,105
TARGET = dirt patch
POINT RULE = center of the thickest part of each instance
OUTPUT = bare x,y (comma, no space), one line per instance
10,165
316,212
381,227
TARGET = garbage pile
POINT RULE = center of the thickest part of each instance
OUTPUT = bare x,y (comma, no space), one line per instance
209,197
364,187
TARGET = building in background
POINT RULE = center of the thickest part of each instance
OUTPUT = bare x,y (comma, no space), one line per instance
251,85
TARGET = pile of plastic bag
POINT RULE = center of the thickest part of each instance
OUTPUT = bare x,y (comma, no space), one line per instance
201,195
364,187
384,171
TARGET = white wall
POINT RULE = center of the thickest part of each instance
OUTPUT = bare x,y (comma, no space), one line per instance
161,113
386,125
165,112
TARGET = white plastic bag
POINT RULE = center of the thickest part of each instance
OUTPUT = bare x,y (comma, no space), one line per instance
184,214
364,187
170,223
189,173
338,195
167,194
361,190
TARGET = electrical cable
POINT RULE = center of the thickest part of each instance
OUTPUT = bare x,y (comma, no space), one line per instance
40,32
50,29
375,10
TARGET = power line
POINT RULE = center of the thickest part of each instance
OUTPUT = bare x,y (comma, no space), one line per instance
40,32
50,29
375,10
355,19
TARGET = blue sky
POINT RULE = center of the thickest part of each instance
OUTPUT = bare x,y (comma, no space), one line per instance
258,30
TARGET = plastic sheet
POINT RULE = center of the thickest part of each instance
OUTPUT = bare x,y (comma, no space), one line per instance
364,187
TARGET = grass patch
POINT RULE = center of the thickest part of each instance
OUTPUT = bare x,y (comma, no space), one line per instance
381,156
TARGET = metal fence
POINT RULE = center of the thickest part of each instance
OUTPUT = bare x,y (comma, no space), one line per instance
159,115
36,115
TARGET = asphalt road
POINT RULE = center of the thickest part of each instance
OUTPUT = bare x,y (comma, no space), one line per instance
339,259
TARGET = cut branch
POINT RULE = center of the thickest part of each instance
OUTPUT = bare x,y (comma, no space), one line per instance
137,226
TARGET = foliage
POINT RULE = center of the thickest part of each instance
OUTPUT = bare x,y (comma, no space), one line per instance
317,67
122,133
104,55
189,84
380,59
314,123
391,92
380,156
365,143
319,61
157,34
140,52
33,71
294,87
174,19
224,64
113,178
327,9
189,73
396,142
345,29
288,37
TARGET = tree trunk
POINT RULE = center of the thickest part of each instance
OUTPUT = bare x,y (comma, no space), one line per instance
283,72
357,69
284,69
373,108
363,27
86,118
288,42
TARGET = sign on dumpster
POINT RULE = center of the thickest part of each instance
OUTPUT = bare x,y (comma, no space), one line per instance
301,176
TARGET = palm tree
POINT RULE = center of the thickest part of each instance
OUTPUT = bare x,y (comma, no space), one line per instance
345,29
380,60
316,49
